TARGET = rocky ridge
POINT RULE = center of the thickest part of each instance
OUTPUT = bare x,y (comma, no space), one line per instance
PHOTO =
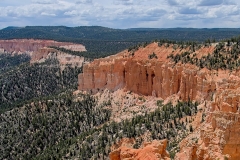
217,91
64,59
39,51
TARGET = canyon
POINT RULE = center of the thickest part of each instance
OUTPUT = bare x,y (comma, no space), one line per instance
216,90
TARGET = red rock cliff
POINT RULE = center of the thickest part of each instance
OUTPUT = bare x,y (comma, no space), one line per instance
157,77
218,136
38,50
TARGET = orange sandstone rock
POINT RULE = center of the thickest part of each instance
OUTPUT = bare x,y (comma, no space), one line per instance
218,136
151,151
38,49
146,77
63,58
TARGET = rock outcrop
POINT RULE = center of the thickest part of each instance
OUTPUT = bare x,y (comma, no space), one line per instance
155,77
218,136
64,59
39,51
156,150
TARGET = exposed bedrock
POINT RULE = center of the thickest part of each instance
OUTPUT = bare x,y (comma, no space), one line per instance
148,78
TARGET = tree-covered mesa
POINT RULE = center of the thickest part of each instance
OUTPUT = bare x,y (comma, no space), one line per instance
98,33
28,81
102,41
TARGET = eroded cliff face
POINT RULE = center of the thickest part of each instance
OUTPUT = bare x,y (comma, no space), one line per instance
218,91
218,136
39,51
153,77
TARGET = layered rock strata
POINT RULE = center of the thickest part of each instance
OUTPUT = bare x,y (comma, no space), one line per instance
39,51
147,77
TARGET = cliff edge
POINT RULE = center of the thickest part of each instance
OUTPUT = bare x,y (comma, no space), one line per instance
151,77
149,71
39,50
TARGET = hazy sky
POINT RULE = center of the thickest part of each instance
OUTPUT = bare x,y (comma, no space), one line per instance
121,13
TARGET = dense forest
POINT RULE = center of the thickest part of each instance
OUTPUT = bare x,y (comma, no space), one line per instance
108,34
43,123
28,81
8,61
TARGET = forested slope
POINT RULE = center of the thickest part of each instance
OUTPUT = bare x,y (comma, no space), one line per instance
67,127
29,81
8,61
